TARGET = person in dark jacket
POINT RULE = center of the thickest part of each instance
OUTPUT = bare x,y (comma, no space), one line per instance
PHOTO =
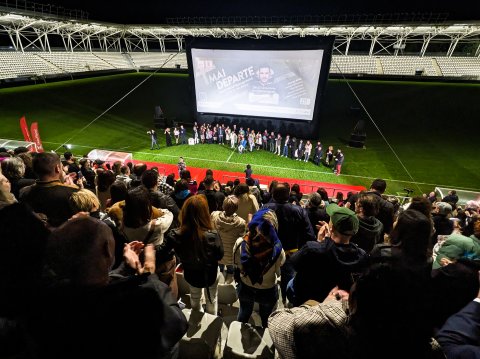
316,211
50,193
199,248
157,198
441,219
85,306
370,229
451,198
214,198
329,262
409,242
294,229
385,209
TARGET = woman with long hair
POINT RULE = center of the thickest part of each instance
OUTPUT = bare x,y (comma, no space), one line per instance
409,241
199,248
259,256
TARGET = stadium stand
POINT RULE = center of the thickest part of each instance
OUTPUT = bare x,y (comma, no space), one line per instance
151,59
16,64
407,65
459,66
353,65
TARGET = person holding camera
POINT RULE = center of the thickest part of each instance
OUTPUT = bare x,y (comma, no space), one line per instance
153,136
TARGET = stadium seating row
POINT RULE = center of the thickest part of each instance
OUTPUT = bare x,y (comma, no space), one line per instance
30,64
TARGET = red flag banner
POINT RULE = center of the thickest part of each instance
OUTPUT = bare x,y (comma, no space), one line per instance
24,128
36,136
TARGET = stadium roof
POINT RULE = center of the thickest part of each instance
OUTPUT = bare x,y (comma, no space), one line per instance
148,11
25,29
157,12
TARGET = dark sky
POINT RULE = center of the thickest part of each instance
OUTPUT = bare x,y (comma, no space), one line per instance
155,12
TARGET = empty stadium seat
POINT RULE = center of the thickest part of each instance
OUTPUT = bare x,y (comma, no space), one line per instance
247,341
203,336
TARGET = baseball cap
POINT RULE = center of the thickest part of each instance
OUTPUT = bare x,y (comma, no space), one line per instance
344,220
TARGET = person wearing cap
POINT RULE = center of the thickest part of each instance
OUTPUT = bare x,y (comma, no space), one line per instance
328,262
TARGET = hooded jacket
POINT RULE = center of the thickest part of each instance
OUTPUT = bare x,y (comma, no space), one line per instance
457,246
370,232
321,266
229,229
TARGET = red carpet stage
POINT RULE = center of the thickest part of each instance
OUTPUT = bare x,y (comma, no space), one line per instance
306,187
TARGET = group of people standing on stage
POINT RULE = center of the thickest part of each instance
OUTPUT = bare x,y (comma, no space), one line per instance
179,135
248,140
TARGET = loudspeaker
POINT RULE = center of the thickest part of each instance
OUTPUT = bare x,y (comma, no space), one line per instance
359,128
357,141
158,113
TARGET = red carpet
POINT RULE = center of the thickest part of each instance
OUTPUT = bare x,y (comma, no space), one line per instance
198,174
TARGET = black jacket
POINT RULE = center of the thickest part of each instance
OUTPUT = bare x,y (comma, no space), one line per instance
385,213
133,317
294,228
199,259
321,266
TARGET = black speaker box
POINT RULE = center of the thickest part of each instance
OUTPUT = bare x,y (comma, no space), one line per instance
357,141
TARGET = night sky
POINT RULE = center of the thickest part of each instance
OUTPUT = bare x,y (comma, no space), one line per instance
155,12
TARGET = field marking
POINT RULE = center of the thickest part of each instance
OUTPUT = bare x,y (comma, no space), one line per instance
231,154
287,168
310,171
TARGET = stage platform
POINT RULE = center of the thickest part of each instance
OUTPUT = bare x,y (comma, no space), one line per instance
306,187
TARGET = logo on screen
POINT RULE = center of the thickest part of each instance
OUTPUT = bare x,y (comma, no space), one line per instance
204,66
305,101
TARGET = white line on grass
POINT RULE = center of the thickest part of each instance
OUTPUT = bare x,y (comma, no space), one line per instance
310,171
283,168
231,154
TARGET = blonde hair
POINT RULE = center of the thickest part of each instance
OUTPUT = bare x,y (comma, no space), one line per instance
6,198
230,205
84,201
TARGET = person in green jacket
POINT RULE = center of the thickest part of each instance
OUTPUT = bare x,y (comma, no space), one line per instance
460,246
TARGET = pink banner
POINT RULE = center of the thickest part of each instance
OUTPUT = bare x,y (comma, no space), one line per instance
24,128
36,136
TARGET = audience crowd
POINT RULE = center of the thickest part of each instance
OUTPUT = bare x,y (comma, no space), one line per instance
90,252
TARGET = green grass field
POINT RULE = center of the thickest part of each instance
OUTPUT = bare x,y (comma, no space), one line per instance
431,127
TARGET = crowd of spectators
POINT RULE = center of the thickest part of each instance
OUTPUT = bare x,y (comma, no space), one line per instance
90,250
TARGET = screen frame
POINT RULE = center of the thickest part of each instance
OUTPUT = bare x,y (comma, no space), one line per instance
296,127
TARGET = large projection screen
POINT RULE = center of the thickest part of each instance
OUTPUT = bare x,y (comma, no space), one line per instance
264,83
269,83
